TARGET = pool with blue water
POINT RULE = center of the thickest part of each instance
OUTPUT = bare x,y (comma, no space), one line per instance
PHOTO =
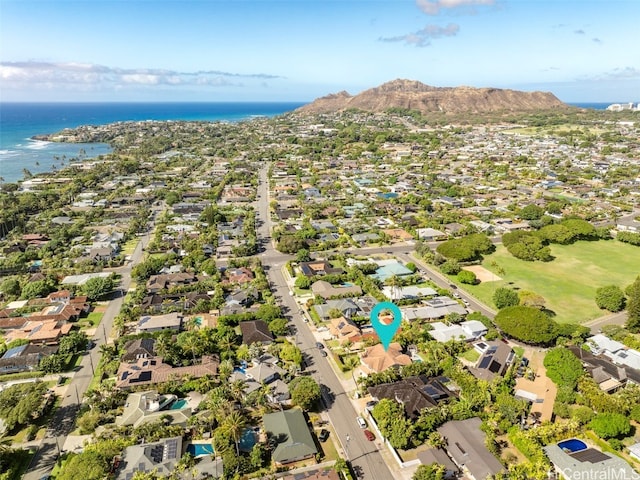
178,404
572,445
200,449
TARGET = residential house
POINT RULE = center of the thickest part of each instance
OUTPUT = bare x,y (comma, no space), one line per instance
152,370
468,330
609,376
390,268
156,283
264,371
376,359
41,332
495,360
437,307
321,474
439,457
137,349
289,433
347,307
255,331
24,358
326,290
149,406
397,234
408,292
238,275
159,457
102,254
413,393
615,351
587,462
466,446
158,302
430,234
318,267
155,323
344,330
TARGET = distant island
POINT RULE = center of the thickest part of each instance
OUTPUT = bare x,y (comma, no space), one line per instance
414,95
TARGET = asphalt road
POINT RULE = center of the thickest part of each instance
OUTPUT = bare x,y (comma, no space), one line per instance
63,421
363,454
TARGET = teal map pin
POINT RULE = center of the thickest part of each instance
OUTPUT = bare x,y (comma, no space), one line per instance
386,330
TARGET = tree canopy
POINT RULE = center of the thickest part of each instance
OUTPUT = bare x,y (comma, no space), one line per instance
610,425
611,298
505,297
304,392
563,367
527,324
466,248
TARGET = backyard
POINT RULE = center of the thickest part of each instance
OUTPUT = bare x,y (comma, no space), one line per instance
569,282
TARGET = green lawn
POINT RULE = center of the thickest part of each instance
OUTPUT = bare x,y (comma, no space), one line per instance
569,282
94,318
130,246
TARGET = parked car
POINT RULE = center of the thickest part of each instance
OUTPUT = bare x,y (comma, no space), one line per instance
319,345
324,434
370,436
323,353
361,422
371,404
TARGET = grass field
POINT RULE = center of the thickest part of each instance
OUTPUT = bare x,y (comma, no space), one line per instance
569,282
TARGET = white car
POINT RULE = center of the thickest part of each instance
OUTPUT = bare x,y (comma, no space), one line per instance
361,422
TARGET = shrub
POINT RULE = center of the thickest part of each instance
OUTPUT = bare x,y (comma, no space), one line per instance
467,277
610,425
450,267
505,297
610,298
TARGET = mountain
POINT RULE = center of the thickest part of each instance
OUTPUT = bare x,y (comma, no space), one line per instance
414,95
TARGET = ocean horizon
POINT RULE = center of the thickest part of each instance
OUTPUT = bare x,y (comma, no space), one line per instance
19,122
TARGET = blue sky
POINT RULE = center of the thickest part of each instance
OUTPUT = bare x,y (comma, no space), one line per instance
298,50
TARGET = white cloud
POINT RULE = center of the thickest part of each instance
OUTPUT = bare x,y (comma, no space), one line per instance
422,37
433,7
86,75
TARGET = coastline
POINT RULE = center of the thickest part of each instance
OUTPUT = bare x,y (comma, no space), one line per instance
26,128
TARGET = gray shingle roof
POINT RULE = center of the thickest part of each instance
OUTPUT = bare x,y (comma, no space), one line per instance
290,430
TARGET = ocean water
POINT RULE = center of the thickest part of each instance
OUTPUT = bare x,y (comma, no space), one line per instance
21,121
592,105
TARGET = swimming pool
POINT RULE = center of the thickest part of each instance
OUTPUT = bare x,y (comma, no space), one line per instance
200,449
572,445
178,404
247,440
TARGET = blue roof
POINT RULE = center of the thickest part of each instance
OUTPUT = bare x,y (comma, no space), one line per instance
390,270
14,352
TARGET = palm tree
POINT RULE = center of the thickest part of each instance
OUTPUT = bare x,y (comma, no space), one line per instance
395,283
234,425
225,369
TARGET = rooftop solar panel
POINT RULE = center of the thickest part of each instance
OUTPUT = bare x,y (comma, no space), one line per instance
590,455
484,363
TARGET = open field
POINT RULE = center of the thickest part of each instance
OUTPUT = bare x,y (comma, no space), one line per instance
569,282
555,129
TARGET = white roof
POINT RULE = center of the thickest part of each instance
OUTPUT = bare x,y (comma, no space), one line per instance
474,327
634,450
16,304
603,342
82,279
630,358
